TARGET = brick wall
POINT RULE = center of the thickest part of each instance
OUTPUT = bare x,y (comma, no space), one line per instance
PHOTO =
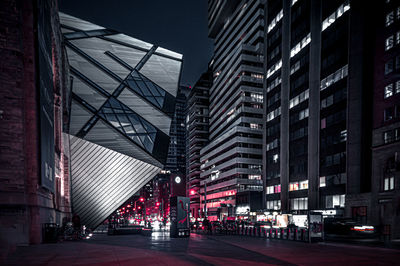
24,204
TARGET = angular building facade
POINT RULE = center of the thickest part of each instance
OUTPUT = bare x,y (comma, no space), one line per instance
123,99
317,110
232,161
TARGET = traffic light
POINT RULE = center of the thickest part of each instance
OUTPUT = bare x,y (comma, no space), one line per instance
192,192
141,199
157,204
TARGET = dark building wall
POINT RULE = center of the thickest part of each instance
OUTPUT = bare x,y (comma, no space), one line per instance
317,113
385,199
24,204
197,122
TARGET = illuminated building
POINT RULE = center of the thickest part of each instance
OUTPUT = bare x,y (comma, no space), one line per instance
232,160
123,102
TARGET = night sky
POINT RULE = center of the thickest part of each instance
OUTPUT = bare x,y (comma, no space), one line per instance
177,25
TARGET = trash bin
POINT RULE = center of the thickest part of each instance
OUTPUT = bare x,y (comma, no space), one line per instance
50,233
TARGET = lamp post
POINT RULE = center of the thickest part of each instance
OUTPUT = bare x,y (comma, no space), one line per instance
192,192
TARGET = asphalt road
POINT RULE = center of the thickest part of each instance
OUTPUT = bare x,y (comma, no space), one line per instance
159,249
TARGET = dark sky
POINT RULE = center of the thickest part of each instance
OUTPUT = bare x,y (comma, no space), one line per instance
177,25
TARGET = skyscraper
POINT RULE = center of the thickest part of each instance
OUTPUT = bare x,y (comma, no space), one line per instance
317,109
123,102
231,162
196,137
386,122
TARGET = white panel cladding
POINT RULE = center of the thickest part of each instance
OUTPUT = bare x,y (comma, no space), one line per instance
79,117
91,72
103,179
130,41
168,53
77,23
163,71
108,137
87,93
145,110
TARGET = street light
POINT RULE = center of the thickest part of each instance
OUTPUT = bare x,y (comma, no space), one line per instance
193,192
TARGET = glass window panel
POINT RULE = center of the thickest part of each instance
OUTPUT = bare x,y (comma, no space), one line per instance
149,128
160,101
143,88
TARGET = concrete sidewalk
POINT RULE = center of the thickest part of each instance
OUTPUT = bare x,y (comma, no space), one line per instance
160,249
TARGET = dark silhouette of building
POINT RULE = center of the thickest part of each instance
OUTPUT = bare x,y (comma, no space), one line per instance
232,160
176,160
318,95
386,124
34,113
196,138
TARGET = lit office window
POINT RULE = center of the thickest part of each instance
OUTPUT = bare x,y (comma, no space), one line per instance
389,43
334,77
388,91
270,190
293,186
299,98
333,201
303,184
388,183
398,86
335,15
299,204
275,21
273,114
322,181
298,47
275,158
389,18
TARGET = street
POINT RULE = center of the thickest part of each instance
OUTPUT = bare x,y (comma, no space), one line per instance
160,249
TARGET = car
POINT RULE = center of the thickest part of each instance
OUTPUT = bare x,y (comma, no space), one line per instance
347,228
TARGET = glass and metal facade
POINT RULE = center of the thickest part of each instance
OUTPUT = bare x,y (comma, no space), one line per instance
123,101
232,161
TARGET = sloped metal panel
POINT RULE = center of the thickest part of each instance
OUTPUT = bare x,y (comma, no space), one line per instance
148,112
163,71
103,179
79,117
95,47
105,136
123,131
87,93
78,23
